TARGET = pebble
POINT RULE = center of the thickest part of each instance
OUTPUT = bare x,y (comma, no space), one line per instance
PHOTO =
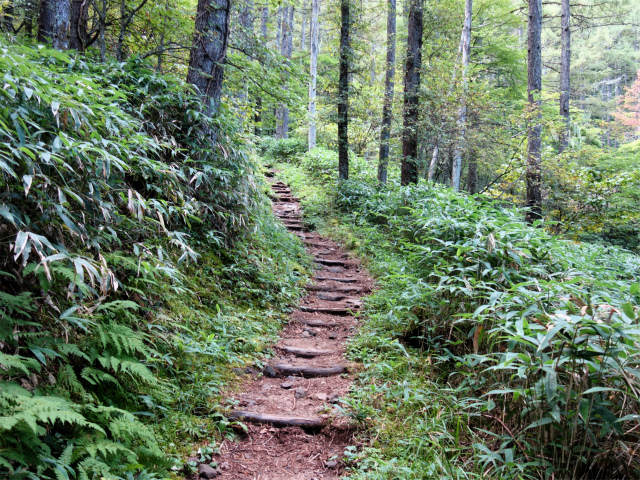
250,371
311,332
225,466
269,371
333,335
293,378
238,371
193,460
286,385
300,393
331,464
321,396
305,333
206,471
335,398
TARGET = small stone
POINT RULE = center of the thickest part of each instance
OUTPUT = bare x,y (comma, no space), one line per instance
305,333
335,398
299,458
335,269
225,466
193,460
250,403
206,471
321,396
333,335
219,471
293,378
269,371
250,371
311,332
300,393
331,464
286,385
238,371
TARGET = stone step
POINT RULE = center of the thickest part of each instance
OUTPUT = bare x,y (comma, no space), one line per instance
320,323
336,279
305,352
330,297
338,288
277,420
342,311
286,369
326,261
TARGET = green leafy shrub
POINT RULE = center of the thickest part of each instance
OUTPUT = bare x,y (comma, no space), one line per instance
284,149
538,336
125,230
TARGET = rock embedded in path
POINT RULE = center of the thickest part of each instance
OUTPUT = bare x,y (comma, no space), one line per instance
305,333
286,385
321,396
331,464
333,335
269,371
335,398
334,269
206,471
300,393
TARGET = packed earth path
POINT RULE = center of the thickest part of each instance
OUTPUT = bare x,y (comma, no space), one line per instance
296,427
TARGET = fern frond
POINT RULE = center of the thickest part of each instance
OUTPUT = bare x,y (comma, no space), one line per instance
18,362
95,376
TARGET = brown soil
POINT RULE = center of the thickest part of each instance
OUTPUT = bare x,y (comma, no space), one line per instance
291,452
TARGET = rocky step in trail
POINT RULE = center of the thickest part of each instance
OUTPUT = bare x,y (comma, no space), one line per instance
295,429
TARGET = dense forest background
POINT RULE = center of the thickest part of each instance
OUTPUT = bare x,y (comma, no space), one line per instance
140,262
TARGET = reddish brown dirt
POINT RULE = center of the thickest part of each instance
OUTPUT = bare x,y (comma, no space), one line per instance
293,453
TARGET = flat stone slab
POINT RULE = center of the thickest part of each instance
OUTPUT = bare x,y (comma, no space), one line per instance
277,420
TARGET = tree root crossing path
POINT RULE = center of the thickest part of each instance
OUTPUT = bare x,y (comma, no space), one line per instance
296,428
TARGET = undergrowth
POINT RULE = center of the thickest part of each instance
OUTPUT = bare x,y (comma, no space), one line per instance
491,348
139,262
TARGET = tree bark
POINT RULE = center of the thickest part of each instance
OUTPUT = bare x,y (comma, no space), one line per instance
102,20
387,111
314,43
472,173
343,90
55,23
264,20
409,171
209,53
534,85
465,46
286,47
565,71
6,21
79,18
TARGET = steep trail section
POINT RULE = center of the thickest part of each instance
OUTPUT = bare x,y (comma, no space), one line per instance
295,427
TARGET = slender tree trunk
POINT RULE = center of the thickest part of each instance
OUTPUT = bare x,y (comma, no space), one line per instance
314,43
303,34
387,110
123,29
165,27
465,46
343,90
472,172
6,21
286,47
103,31
209,53
434,160
565,71
409,172
55,23
79,18
534,157
264,21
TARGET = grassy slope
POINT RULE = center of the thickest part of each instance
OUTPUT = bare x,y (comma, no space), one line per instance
426,411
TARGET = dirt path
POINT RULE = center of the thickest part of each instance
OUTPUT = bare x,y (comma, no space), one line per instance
296,430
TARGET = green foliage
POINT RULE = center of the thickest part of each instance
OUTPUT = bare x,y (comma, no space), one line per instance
283,149
134,253
526,343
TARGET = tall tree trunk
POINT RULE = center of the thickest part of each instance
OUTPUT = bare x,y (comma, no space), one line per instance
434,160
102,20
79,18
534,85
303,30
409,171
209,53
465,46
565,71
472,172
343,90
314,43
264,20
55,23
387,110
282,113
246,22
6,21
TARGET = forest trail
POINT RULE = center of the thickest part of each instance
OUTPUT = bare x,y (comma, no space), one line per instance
296,428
